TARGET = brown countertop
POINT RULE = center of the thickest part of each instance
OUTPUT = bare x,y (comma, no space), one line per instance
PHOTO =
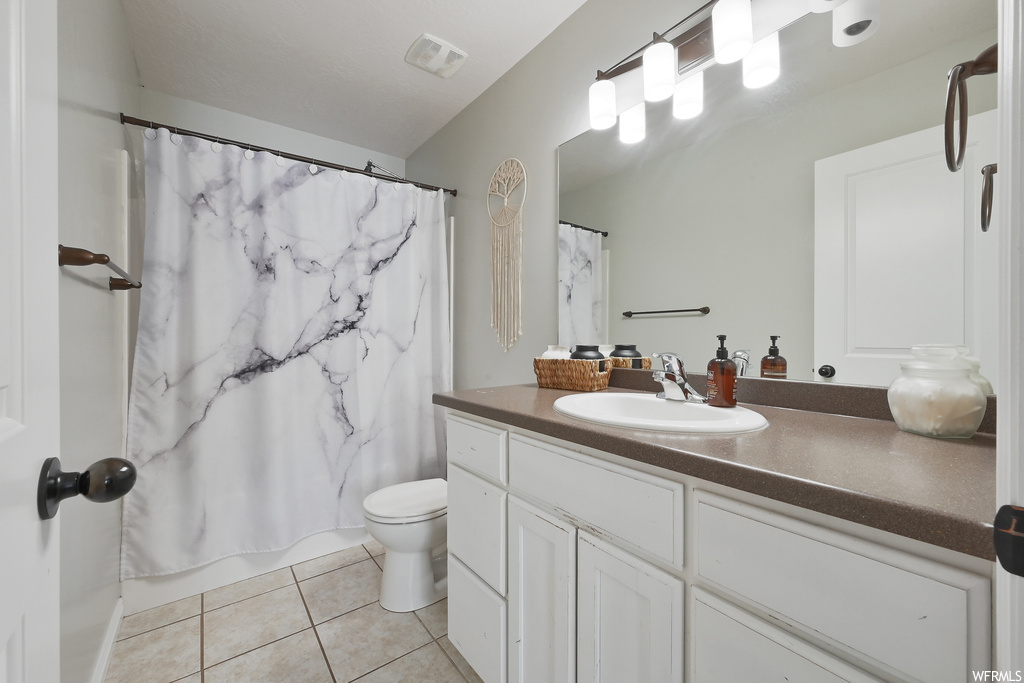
863,470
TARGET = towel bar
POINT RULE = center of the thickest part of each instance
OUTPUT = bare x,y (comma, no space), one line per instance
73,256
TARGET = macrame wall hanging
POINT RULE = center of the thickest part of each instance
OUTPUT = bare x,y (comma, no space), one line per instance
508,181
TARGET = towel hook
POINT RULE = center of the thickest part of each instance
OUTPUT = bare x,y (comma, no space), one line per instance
73,256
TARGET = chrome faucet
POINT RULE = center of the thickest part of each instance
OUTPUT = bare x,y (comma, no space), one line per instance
673,380
742,360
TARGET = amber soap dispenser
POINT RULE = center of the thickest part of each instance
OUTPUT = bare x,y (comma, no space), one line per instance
722,378
773,366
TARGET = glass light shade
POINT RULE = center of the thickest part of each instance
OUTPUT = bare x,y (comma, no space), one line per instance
854,22
602,105
732,29
761,65
688,99
659,71
633,124
820,6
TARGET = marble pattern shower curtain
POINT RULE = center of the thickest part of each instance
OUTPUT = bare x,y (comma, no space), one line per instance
581,306
293,326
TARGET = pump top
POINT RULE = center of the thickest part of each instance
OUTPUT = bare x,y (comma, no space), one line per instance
773,350
722,351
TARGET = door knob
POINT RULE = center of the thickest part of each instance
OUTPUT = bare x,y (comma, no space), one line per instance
103,481
827,371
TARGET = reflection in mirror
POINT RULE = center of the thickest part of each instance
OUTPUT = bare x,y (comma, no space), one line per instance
722,210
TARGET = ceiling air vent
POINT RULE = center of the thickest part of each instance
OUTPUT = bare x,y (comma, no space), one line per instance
437,56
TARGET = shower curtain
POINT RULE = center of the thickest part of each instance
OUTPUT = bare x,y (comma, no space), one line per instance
293,325
581,306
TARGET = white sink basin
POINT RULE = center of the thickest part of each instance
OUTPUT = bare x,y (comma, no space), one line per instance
646,411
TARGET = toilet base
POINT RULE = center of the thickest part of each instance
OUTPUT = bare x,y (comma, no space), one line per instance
412,581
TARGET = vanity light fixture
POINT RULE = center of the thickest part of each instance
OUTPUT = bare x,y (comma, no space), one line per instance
688,98
659,70
733,30
633,124
602,104
761,65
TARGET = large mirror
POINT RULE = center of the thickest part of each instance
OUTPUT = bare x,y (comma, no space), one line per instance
720,211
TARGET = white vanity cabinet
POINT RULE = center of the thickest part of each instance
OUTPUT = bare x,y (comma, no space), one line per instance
566,566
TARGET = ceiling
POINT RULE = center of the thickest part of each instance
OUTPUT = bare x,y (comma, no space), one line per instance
335,68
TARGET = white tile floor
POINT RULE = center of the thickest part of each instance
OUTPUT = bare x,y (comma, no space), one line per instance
312,622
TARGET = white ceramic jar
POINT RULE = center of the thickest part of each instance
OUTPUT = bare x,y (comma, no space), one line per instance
935,395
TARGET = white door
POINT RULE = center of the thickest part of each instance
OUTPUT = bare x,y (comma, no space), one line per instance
897,240
29,422
629,617
541,596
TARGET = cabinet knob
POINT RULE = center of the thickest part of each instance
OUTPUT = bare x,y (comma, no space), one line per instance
827,371
102,482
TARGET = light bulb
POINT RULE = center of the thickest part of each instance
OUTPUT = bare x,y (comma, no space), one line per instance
732,29
761,65
602,105
633,124
688,99
854,22
659,71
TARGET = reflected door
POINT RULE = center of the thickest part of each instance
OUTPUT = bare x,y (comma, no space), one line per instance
900,258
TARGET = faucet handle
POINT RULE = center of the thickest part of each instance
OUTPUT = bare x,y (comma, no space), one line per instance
670,363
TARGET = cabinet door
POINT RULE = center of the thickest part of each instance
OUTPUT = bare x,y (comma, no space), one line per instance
541,596
629,617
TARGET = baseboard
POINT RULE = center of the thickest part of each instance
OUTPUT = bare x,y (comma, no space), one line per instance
99,672
145,593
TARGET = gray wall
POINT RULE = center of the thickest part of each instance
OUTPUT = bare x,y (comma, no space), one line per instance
537,105
541,103
97,79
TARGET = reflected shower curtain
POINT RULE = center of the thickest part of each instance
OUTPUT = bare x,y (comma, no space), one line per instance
292,328
581,306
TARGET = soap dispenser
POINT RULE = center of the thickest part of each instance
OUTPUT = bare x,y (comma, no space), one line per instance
722,378
773,365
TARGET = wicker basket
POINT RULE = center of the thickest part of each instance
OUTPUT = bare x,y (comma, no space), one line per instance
566,373
645,362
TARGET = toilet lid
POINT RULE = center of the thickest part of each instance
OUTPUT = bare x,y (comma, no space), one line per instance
412,499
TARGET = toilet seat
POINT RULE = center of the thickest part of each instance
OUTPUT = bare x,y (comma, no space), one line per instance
413,501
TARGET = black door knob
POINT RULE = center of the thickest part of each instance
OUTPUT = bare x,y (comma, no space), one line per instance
827,371
102,482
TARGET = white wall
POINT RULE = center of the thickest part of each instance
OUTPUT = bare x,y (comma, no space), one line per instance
537,105
202,118
97,79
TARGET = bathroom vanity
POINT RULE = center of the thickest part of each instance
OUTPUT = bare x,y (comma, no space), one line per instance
821,548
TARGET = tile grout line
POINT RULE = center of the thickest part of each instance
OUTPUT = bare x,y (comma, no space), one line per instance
316,634
202,638
404,654
451,659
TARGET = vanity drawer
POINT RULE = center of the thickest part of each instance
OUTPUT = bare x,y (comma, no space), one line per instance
643,511
477,621
922,620
732,645
477,526
479,448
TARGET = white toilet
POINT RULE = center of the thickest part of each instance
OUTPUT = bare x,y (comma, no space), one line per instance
411,521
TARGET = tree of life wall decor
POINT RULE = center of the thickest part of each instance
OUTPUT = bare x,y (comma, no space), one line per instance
508,182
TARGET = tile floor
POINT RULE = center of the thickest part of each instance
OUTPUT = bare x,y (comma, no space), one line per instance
312,622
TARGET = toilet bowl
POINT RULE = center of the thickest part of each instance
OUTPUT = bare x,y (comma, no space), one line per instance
411,521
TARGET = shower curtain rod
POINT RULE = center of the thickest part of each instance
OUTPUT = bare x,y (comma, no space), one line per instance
583,227
131,120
